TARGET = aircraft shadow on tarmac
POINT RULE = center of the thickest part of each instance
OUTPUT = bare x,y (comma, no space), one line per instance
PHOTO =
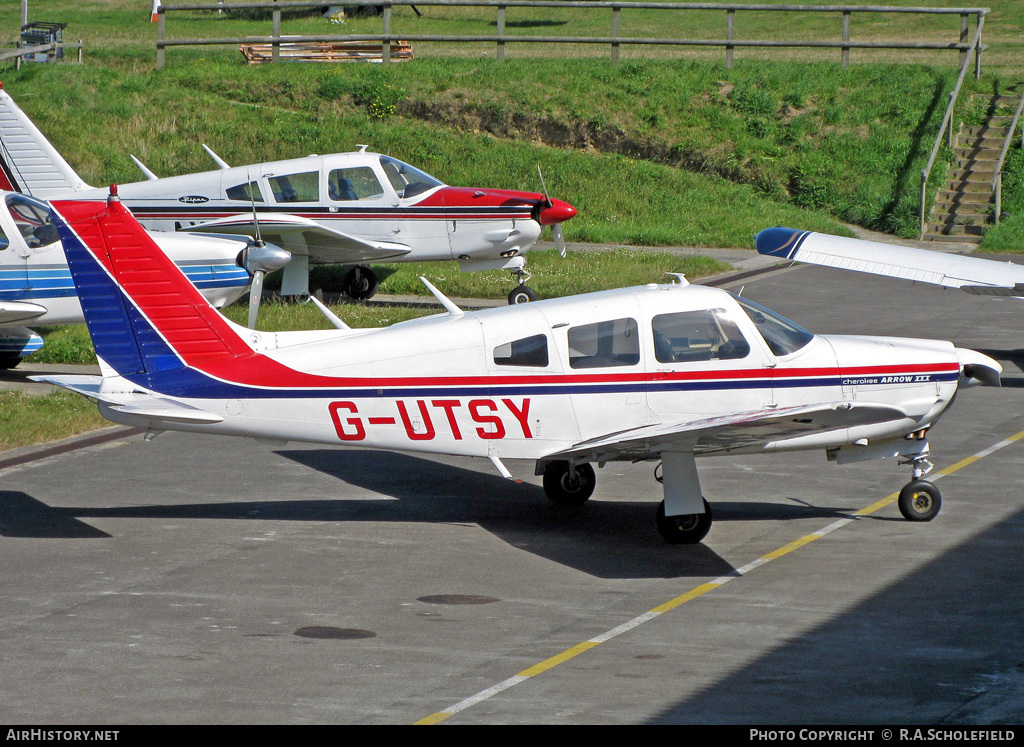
605,538
939,646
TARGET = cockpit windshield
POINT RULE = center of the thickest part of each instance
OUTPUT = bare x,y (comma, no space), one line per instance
408,181
34,219
783,336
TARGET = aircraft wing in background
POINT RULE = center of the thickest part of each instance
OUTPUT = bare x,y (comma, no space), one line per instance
974,275
324,245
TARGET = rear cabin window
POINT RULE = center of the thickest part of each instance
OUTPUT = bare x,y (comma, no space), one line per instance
702,335
304,187
529,351
249,192
353,184
604,344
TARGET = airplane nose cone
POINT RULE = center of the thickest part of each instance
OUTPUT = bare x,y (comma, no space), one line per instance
558,212
977,368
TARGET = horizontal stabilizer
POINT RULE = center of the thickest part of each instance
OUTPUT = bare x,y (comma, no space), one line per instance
739,430
138,404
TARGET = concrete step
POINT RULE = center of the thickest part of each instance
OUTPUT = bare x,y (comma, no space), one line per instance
972,175
968,186
940,237
946,197
984,131
964,216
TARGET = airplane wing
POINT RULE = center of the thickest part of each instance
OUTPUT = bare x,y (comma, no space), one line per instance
148,406
293,232
737,430
19,311
970,274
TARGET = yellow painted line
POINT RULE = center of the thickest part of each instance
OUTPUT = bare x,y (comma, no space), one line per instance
571,653
554,661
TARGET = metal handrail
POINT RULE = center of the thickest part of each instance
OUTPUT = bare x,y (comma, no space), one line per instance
947,119
997,179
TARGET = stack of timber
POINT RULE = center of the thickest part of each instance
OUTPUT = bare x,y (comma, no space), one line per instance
358,51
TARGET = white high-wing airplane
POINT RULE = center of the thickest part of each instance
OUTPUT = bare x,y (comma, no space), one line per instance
668,372
344,208
975,275
36,285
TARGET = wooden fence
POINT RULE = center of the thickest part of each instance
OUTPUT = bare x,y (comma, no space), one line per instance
614,40
22,52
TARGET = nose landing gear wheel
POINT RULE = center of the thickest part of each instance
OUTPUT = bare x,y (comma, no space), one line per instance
521,294
569,486
920,500
687,529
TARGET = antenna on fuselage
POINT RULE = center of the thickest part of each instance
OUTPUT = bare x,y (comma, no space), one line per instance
217,159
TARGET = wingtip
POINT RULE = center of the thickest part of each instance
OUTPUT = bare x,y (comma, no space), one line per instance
778,241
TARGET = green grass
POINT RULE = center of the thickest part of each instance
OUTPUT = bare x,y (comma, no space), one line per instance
27,419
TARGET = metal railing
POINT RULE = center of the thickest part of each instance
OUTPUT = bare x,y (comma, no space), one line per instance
614,41
997,180
947,120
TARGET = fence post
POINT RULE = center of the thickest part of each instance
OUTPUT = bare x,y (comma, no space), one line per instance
977,50
730,28
846,38
276,43
386,49
616,21
160,18
501,33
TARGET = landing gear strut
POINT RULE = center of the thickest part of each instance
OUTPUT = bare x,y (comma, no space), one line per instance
522,293
920,500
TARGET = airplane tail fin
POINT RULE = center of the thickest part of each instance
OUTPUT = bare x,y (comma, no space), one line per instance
28,162
147,321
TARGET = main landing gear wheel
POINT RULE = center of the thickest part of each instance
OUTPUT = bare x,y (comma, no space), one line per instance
920,500
566,485
686,529
521,294
360,283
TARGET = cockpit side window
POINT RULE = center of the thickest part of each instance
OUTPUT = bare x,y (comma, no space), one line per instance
783,336
353,184
702,335
407,181
604,344
34,220
304,187
249,192
529,351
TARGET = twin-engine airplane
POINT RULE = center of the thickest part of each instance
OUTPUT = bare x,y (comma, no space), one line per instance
975,275
660,372
346,208
36,285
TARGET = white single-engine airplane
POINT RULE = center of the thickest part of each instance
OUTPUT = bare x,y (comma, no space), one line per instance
36,285
975,275
668,372
345,208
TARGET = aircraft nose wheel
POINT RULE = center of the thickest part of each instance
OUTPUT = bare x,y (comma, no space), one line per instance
687,529
521,294
920,500
567,485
